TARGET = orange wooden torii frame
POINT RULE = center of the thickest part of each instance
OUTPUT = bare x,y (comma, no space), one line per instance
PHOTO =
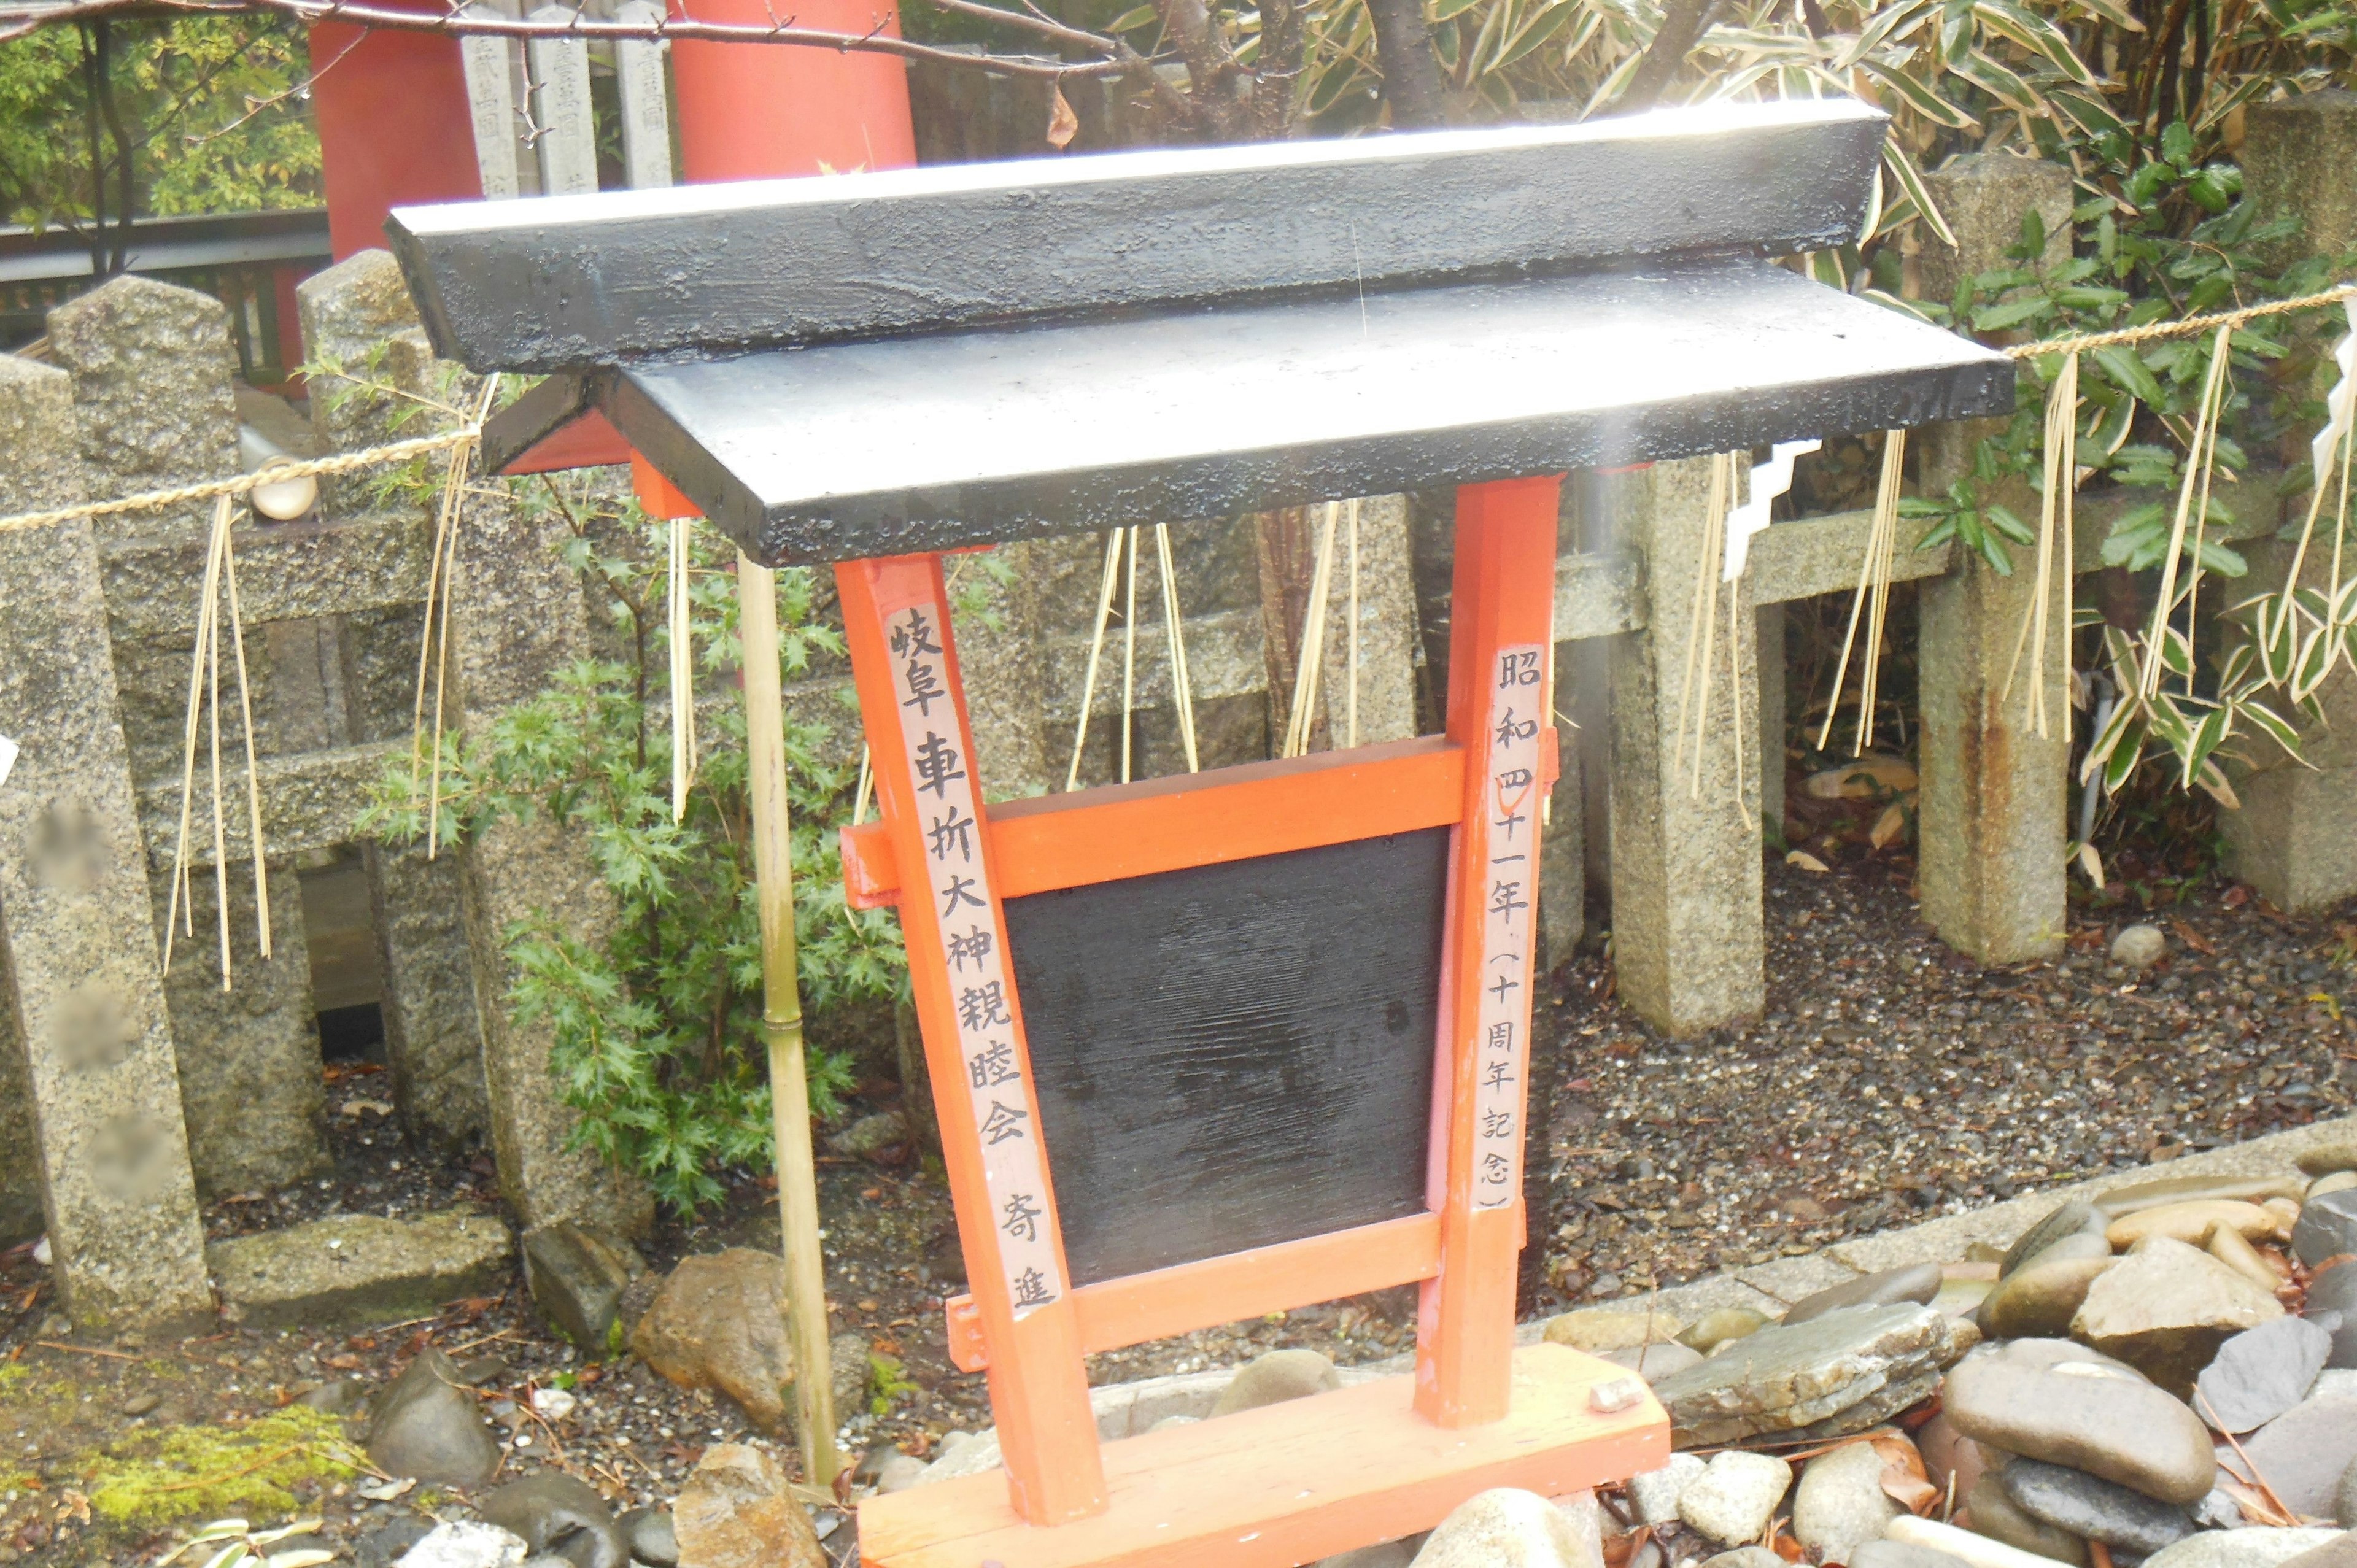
1324,1091
1301,1480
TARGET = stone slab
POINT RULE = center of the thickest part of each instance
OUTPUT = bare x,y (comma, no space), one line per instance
361,1268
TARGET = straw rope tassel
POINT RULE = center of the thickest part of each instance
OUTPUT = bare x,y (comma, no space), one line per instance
1351,731
2059,478
181,906
682,674
1873,580
253,783
1306,672
2204,440
1129,658
220,836
1182,696
1096,654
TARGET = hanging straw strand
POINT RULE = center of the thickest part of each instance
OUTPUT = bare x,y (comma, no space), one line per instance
1096,654
1182,696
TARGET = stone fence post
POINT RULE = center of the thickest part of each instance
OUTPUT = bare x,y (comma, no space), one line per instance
2295,838
1993,795
77,941
1686,938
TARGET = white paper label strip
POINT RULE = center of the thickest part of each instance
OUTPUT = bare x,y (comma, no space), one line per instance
7,758
1005,1116
1769,480
1517,720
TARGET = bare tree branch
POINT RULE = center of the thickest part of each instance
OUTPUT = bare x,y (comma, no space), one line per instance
1682,24
1114,58
1411,71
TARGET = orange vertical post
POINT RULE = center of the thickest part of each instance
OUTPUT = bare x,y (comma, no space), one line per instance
913,703
394,127
766,110
1500,641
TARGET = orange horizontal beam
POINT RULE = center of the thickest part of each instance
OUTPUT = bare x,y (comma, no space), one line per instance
1297,1481
1188,1296
1088,836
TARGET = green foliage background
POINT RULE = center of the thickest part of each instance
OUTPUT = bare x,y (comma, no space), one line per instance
210,107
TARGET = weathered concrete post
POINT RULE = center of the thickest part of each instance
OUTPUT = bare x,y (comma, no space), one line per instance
1387,629
997,626
518,617
434,1039
1773,700
2295,838
1563,868
76,941
1993,794
1686,938
151,366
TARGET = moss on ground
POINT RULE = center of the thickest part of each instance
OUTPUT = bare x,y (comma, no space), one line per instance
217,1472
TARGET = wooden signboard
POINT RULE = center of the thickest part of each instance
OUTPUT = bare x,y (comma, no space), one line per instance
1211,1046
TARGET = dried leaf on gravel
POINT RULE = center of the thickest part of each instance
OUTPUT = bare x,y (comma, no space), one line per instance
1804,860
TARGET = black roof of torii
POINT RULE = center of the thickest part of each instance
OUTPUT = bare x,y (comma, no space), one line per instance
873,364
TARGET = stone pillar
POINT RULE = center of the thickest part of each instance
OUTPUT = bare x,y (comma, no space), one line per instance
76,943
1563,870
2295,838
1387,629
151,366
249,1056
1994,795
1686,938
355,311
1771,716
517,616
20,1147
997,625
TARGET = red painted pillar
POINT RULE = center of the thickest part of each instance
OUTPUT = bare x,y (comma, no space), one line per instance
762,111
394,128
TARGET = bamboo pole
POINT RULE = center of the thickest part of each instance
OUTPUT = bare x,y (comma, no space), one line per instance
782,1024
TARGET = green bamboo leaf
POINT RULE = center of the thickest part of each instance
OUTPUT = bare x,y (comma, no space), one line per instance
2130,373
1902,168
1924,101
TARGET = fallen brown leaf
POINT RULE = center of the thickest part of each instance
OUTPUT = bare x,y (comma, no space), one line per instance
1063,124
1888,826
1804,860
2194,939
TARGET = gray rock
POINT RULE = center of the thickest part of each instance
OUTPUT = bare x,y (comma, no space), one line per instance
2262,1372
1919,1284
2258,1547
2071,1218
1840,1503
2218,1510
2338,1181
1384,1555
849,1364
341,1397
1715,1329
1899,1554
1734,1498
1275,1377
899,1472
1745,1557
1654,1362
426,1427
2327,1228
360,1268
737,1511
1992,1512
2165,1309
2302,1454
1975,1549
576,1274
463,1543
650,1537
2092,1508
2039,1300
1655,1493
2140,947
2084,1414
1786,1378
2344,1498
719,1322
1506,1528
2333,1292
871,1136
561,1517
2340,1551
385,1545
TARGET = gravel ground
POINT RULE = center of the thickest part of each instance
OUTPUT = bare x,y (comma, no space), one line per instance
1890,1083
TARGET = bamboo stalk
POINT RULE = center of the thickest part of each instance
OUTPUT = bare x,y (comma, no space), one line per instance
782,1023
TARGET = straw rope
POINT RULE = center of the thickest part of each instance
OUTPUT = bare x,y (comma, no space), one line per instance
243,483
2184,327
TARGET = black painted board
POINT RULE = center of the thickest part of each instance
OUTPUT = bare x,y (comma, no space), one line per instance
562,283
1233,1056
544,409
890,447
